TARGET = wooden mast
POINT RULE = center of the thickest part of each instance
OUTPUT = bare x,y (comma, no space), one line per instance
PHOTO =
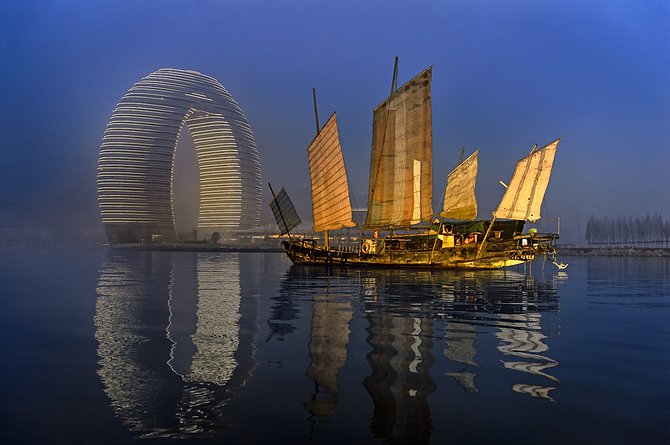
394,81
326,243
316,111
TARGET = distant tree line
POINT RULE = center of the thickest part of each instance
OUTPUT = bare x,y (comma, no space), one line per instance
650,231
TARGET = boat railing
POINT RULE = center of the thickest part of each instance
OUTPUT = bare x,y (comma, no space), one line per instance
347,245
348,248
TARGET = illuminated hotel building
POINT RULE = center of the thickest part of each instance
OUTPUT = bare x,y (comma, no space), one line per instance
137,155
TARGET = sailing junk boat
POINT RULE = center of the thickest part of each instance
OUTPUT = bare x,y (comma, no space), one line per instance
400,196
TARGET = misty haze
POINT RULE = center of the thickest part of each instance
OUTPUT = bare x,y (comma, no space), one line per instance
383,222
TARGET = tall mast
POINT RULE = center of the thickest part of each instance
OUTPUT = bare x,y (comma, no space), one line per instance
326,243
316,111
394,80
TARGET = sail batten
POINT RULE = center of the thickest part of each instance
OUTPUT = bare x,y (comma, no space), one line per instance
401,146
460,201
331,205
416,211
523,198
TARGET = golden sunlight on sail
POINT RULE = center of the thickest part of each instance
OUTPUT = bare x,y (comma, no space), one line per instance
401,166
331,205
460,201
400,196
523,197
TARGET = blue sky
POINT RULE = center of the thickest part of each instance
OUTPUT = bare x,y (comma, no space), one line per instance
506,75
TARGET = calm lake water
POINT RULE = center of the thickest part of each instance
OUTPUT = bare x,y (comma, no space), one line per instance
103,346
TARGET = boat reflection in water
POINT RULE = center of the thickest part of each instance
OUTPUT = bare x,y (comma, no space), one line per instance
522,337
169,369
512,303
409,315
401,358
180,334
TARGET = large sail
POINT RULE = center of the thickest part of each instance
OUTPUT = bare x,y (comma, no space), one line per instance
401,179
331,205
285,214
459,197
524,195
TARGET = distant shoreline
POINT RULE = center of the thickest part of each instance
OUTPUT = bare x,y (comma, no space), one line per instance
201,247
614,251
563,251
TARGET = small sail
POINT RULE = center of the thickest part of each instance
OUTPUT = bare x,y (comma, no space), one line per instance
284,211
331,205
459,197
401,182
524,195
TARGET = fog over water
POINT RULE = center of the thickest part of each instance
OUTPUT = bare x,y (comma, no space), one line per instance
505,76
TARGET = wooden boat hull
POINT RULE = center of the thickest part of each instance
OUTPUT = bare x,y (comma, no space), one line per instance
493,255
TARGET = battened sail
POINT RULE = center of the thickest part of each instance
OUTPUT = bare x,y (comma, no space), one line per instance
401,164
524,195
285,214
460,201
331,205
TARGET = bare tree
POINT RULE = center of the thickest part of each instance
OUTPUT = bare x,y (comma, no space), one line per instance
647,231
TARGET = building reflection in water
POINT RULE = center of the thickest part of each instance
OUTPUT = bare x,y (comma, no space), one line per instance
205,332
177,335
173,331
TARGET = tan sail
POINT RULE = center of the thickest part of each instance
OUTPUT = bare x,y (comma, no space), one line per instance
331,205
401,165
524,195
460,201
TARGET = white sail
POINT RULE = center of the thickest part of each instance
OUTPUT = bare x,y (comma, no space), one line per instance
460,201
331,205
524,195
401,165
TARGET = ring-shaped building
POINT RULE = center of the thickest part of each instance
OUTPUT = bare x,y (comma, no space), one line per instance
136,163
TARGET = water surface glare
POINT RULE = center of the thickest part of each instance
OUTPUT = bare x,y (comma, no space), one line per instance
105,346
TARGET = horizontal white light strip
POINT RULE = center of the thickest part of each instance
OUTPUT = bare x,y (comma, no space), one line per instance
137,157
